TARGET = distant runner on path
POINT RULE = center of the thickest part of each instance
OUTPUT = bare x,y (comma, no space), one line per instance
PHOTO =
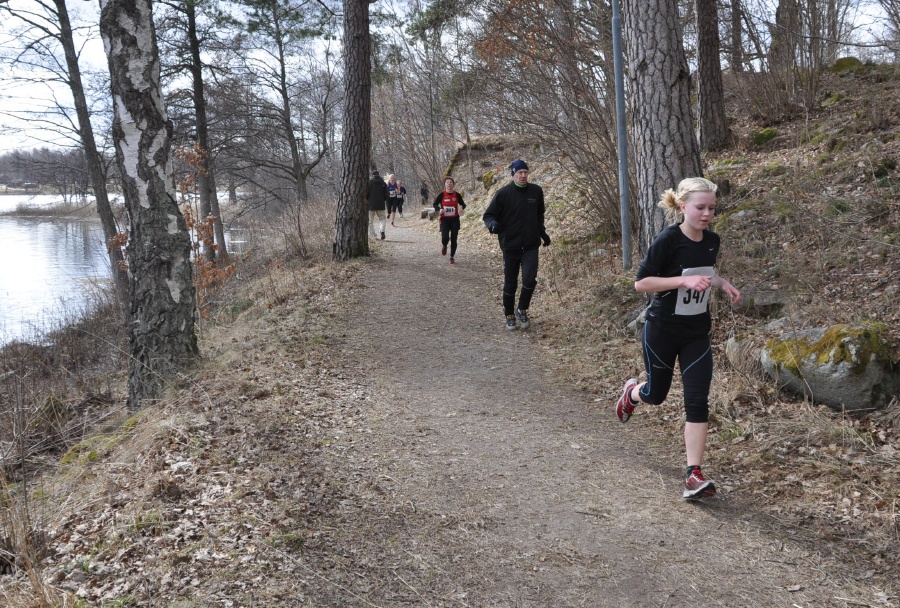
377,196
451,206
516,216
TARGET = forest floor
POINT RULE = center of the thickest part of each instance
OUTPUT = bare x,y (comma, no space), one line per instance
369,434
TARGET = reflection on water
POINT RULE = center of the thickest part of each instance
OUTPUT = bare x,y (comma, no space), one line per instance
47,268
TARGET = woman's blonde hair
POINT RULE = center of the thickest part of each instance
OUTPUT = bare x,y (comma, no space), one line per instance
672,199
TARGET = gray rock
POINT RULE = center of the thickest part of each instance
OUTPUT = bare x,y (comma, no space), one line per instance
635,320
761,303
777,324
847,367
744,356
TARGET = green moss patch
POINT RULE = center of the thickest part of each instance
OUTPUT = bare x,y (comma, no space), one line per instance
832,100
774,169
92,449
487,180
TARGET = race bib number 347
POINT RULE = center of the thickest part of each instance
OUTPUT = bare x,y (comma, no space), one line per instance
691,302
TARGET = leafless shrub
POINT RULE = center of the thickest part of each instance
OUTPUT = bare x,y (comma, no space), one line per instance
776,96
305,230
316,218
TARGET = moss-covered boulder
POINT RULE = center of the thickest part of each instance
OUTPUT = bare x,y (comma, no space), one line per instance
847,367
764,136
846,64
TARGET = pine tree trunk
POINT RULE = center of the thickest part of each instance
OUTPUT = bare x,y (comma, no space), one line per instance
737,39
209,204
120,277
162,338
785,36
218,227
665,148
710,94
350,238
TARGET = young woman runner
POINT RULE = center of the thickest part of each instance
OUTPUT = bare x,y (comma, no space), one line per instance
679,270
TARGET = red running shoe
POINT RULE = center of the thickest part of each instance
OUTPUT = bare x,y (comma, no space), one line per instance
697,486
624,406
444,250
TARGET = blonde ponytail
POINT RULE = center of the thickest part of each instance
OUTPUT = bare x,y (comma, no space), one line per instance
672,200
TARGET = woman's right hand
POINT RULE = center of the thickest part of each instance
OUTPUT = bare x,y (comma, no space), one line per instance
697,282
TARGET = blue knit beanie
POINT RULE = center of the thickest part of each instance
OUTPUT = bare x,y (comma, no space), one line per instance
518,165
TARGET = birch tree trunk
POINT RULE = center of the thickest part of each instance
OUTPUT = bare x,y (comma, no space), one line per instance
161,338
350,239
665,148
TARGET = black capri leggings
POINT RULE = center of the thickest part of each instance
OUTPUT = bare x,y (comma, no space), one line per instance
449,233
694,355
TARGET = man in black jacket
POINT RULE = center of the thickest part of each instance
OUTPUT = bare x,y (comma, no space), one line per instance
377,195
516,216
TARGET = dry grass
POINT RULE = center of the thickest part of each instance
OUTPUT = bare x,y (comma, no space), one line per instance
62,398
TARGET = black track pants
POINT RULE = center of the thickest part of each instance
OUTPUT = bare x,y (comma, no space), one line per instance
513,259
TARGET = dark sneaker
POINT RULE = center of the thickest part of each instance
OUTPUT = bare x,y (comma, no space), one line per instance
624,406
444,250
382,235
452,261
522,316
510,322
697,486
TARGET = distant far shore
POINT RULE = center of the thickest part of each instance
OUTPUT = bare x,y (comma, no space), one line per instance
45,205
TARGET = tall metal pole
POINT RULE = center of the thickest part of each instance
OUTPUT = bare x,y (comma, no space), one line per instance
431,113
622,134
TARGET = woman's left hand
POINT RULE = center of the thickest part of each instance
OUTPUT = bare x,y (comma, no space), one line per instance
732,292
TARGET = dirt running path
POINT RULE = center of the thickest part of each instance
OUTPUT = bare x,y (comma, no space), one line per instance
491,484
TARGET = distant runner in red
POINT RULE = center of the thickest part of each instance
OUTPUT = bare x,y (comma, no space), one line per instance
451,206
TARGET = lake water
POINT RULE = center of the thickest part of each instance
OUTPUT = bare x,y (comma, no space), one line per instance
48,268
